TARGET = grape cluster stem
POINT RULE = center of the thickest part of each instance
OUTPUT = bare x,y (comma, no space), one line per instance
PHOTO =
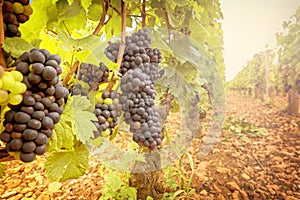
114,78
70,73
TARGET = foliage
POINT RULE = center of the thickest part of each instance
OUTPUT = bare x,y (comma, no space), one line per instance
116,186
288,42
243,129
67,164
78,30
253,75
285,74
177,181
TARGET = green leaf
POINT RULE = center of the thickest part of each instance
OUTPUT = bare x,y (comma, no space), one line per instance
70,2
64,134
245,138
16,46
178,2
129,192
95,12
177,193
66,10
38,20
83,118
2,169
64,165
113,27
77,22
199,32
50,43
86,4
175,22
157,4
158,42
78,45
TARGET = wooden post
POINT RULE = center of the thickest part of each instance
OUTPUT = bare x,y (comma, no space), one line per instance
267,73
293,102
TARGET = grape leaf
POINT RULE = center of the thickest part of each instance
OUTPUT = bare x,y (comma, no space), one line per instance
49,43
38,20
63,131
69,44
114,27
77,22
172,19
67,10
95,11
2,169
86,3
178,2
70,2
79,115
64,165
16,46
53,142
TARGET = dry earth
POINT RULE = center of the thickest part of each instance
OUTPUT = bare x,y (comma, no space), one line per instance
266,167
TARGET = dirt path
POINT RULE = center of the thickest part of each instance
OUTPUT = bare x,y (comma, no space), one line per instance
266,167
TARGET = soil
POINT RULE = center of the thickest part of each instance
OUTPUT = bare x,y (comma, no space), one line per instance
263,167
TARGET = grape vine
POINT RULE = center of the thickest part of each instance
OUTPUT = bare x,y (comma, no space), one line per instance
29,122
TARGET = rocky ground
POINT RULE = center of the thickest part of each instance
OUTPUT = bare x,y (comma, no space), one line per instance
264,167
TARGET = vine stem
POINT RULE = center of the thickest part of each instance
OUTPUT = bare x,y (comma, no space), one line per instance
168,23
2,57
121,48
70,73
102,19
144,14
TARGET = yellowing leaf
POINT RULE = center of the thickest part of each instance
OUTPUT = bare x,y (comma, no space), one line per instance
64,165
86,3
16,46
79,114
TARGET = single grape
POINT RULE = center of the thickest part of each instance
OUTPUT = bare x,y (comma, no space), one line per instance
105,133
8,81
15,99
28,147
108,101
19,88
18,8
18,76
27,157
3,96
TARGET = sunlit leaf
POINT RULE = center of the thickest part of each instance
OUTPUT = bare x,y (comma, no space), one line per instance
66,165
16,46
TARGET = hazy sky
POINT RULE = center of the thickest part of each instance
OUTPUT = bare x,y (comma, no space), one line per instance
249,25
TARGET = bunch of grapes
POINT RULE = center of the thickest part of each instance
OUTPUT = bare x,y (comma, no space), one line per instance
92,75
139,108
139,68
107,111
139,39
11,87
29,124
15,12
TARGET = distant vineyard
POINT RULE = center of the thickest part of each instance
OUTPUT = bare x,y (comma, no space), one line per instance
274,71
